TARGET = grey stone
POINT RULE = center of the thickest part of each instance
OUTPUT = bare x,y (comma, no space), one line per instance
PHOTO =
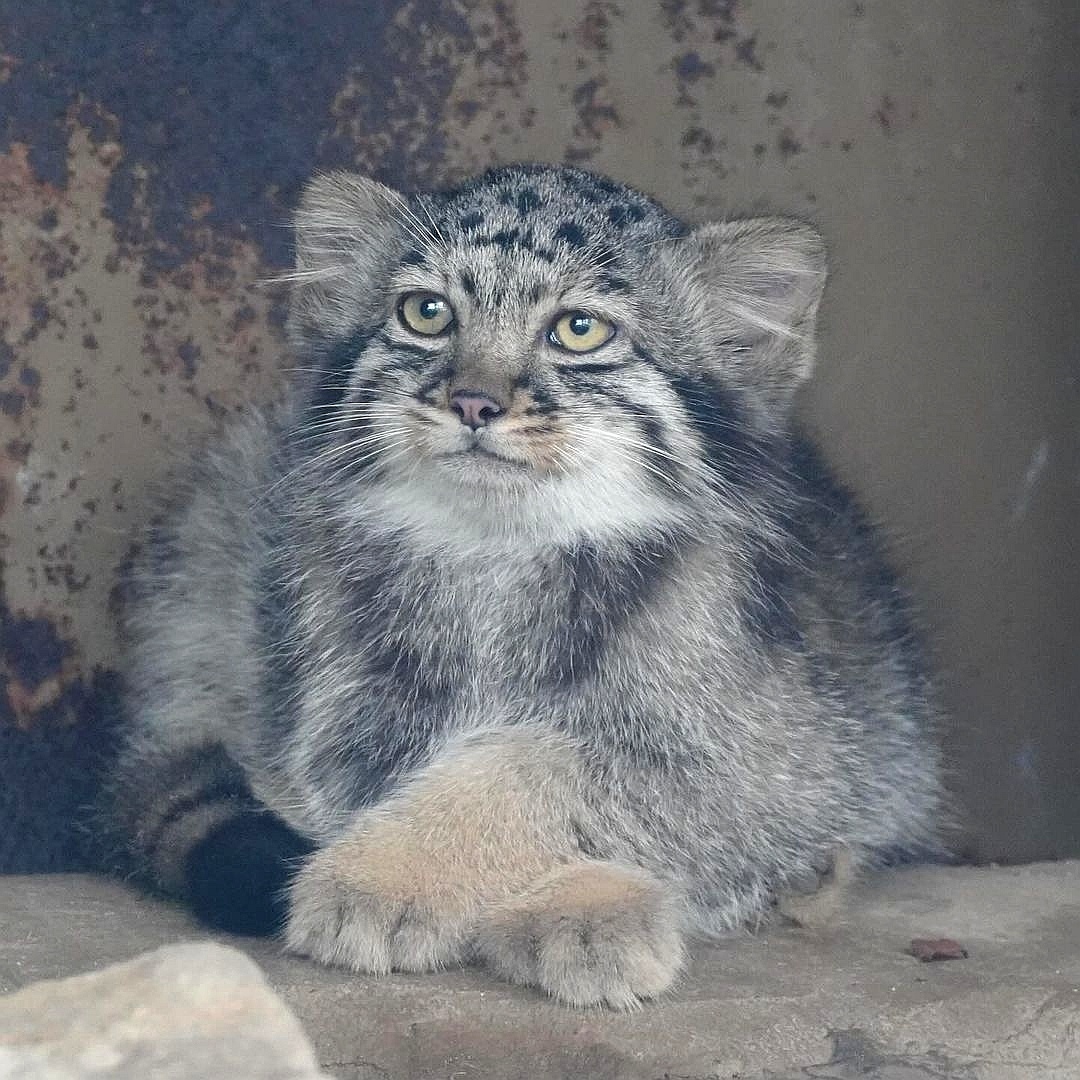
179,1012
839,1003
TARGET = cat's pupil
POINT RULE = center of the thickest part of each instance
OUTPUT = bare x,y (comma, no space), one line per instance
431,308
580,325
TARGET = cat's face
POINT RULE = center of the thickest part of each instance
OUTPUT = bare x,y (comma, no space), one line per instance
542,349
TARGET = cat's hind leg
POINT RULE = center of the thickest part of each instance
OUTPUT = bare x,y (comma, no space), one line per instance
815,902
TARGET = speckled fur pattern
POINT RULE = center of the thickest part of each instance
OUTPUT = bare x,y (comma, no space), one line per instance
621,666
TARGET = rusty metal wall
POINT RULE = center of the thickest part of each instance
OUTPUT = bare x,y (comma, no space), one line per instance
150,153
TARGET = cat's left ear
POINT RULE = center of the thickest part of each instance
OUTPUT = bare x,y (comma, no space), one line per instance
757,284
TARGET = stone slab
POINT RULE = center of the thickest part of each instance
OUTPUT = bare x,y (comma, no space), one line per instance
781,1004
180,1012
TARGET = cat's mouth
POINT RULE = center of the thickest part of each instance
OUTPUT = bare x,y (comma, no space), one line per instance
482,454
508,452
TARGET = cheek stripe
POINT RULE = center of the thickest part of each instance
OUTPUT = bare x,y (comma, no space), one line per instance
658,457
591,368
407,348
336,367
442,375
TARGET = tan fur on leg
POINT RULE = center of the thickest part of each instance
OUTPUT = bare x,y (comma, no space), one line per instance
401,890
589,933
817,906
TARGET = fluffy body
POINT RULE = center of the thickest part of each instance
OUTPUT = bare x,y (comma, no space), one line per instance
620,666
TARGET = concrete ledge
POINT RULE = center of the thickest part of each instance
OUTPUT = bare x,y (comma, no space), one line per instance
784,1004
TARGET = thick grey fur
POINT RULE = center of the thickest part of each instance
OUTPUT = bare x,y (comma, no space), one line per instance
658,575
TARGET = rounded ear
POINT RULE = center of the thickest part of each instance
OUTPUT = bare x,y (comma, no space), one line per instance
347,226
339,213
758,282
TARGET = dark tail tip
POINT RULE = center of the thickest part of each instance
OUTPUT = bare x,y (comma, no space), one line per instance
237,875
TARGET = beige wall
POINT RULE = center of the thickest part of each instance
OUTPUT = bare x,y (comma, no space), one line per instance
148,167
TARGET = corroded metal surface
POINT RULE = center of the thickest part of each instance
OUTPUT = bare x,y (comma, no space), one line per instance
149,157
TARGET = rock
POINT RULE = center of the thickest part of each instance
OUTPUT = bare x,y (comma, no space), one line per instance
179,1012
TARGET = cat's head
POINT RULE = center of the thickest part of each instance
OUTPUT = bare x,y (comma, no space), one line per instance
544,350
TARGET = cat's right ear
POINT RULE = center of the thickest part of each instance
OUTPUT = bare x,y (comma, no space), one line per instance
347,228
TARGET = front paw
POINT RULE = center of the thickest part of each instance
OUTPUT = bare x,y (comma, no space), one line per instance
357,906
588,934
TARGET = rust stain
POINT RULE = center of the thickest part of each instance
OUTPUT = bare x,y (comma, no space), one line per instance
592,99
885,114
93,338
700,20
787,144
193,95
488,102
746,53
593,32
596,114
36,664
147,174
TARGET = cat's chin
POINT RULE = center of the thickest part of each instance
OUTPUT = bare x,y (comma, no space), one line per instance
479,467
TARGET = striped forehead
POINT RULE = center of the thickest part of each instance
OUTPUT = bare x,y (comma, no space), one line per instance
490,250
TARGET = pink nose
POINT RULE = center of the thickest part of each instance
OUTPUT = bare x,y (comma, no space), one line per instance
474,409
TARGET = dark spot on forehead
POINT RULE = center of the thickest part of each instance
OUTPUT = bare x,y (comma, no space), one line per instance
505,239
570,234
614,283
587,188
472,220
624,214
468,283
524,200
527,201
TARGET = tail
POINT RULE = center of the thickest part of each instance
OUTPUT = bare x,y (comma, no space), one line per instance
194,830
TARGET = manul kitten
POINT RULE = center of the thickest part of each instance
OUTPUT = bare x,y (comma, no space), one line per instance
528,630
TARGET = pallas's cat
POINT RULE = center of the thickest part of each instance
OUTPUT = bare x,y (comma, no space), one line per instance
528,630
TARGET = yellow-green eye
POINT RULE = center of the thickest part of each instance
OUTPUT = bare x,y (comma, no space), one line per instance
580,332
425,313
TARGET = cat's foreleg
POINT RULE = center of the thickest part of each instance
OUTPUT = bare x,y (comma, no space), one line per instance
403,887
588,932
478,854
